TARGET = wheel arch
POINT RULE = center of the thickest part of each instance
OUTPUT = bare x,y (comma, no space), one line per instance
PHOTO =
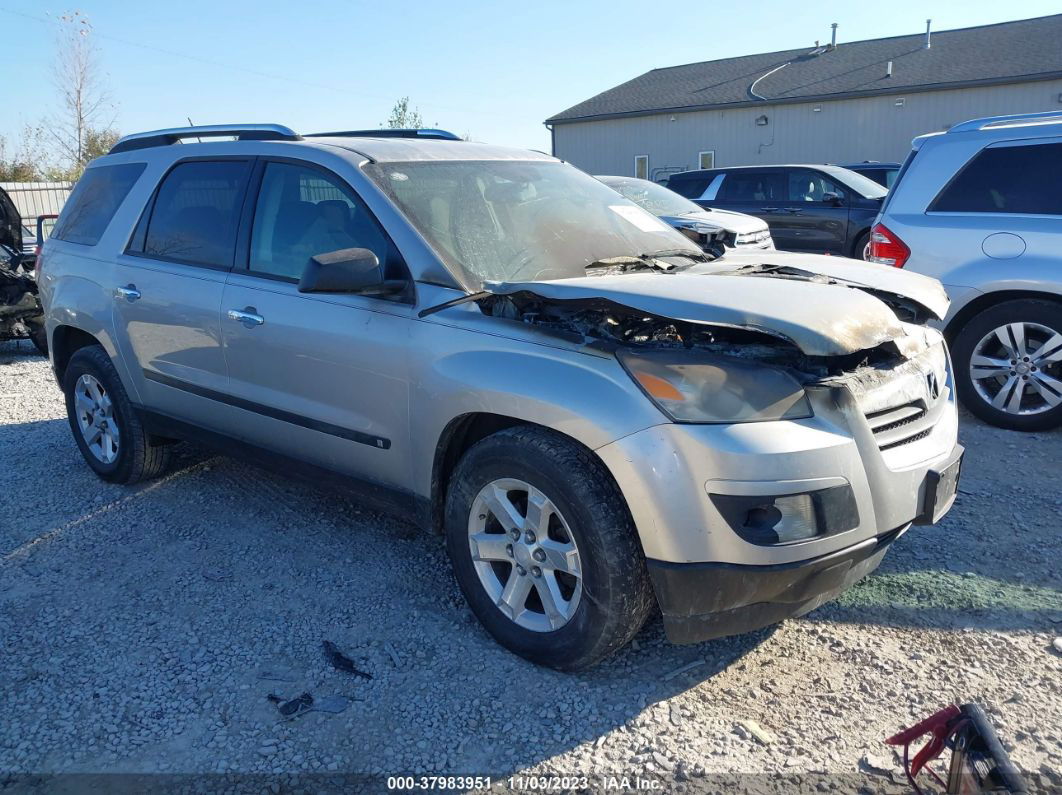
988,300
65,342
857,237
458,436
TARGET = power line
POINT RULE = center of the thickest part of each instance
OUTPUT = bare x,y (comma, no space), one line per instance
246,70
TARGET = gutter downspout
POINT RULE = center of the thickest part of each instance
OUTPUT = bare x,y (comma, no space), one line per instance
552,139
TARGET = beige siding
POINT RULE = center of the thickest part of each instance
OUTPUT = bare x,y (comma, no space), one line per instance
873,128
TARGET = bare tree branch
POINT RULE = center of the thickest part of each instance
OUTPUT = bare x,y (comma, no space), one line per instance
86,113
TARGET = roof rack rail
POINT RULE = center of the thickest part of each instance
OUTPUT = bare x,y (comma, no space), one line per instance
242,132
423,132
1047,117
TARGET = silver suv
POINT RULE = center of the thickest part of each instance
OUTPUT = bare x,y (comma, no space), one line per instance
598,416
980,208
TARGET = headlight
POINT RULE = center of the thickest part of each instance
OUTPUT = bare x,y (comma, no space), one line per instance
752,238
690,386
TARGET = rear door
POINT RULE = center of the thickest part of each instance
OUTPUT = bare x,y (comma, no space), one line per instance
169,284
813,220
320,377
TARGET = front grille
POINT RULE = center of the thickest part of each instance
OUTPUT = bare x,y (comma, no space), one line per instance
901,425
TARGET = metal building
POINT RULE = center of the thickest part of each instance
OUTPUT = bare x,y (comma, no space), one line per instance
37,198
835,103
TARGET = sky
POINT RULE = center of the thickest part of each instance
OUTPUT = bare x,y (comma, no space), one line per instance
489,69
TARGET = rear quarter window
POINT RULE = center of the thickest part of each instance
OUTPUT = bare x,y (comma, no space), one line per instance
1025,179
94,201
690,188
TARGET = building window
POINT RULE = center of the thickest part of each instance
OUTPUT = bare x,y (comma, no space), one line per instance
706,159
641,166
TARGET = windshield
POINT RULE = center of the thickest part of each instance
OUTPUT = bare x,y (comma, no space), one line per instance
652,197
511,220
864,186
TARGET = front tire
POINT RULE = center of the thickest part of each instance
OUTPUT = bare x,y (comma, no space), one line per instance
105,425
1008,365
544,548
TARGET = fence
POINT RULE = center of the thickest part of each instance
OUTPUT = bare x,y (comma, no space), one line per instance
37,198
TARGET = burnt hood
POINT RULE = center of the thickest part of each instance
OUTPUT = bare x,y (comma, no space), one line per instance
827,306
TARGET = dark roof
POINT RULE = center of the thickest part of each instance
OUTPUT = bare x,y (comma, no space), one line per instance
1002,53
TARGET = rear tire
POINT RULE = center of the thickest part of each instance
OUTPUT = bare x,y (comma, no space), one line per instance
596,612
1012,343
105,425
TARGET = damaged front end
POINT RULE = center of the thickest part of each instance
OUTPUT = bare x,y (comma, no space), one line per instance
755,343
21,314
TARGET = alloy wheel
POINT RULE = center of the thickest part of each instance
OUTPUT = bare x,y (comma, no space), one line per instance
1017,368
95,418
525,555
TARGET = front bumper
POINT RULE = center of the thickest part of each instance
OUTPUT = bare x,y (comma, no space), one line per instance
701,601
744,525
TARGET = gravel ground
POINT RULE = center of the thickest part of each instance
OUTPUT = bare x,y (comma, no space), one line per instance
143,629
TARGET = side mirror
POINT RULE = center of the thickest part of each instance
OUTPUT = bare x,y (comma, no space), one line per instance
833,199
348,270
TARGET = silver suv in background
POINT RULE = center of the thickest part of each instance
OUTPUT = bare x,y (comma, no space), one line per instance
980,208
599,416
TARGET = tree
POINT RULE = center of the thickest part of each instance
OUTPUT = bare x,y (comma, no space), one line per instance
402,117
83,124
18,166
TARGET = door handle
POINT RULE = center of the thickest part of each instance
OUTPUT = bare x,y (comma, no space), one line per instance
769,209
129,292
248,316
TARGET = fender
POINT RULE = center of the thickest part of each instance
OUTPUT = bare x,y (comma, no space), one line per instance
519,372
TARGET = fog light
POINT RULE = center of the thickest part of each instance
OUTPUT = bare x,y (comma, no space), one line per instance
784,519
789,518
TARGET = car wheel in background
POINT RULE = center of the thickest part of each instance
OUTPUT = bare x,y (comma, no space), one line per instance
544,548
105,426
1008,365
39,337
861,249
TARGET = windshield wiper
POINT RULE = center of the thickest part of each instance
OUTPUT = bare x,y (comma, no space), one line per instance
677,252
650,261
461,299
619,262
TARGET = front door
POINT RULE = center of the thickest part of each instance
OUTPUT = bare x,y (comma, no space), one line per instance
816,213
320,377
168,290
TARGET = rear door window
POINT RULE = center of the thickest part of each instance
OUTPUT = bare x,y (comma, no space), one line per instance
690,188
754,186
196,213
94,201
811,186
1024,179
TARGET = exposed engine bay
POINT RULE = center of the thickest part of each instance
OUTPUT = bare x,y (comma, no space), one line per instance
599,322
21,314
